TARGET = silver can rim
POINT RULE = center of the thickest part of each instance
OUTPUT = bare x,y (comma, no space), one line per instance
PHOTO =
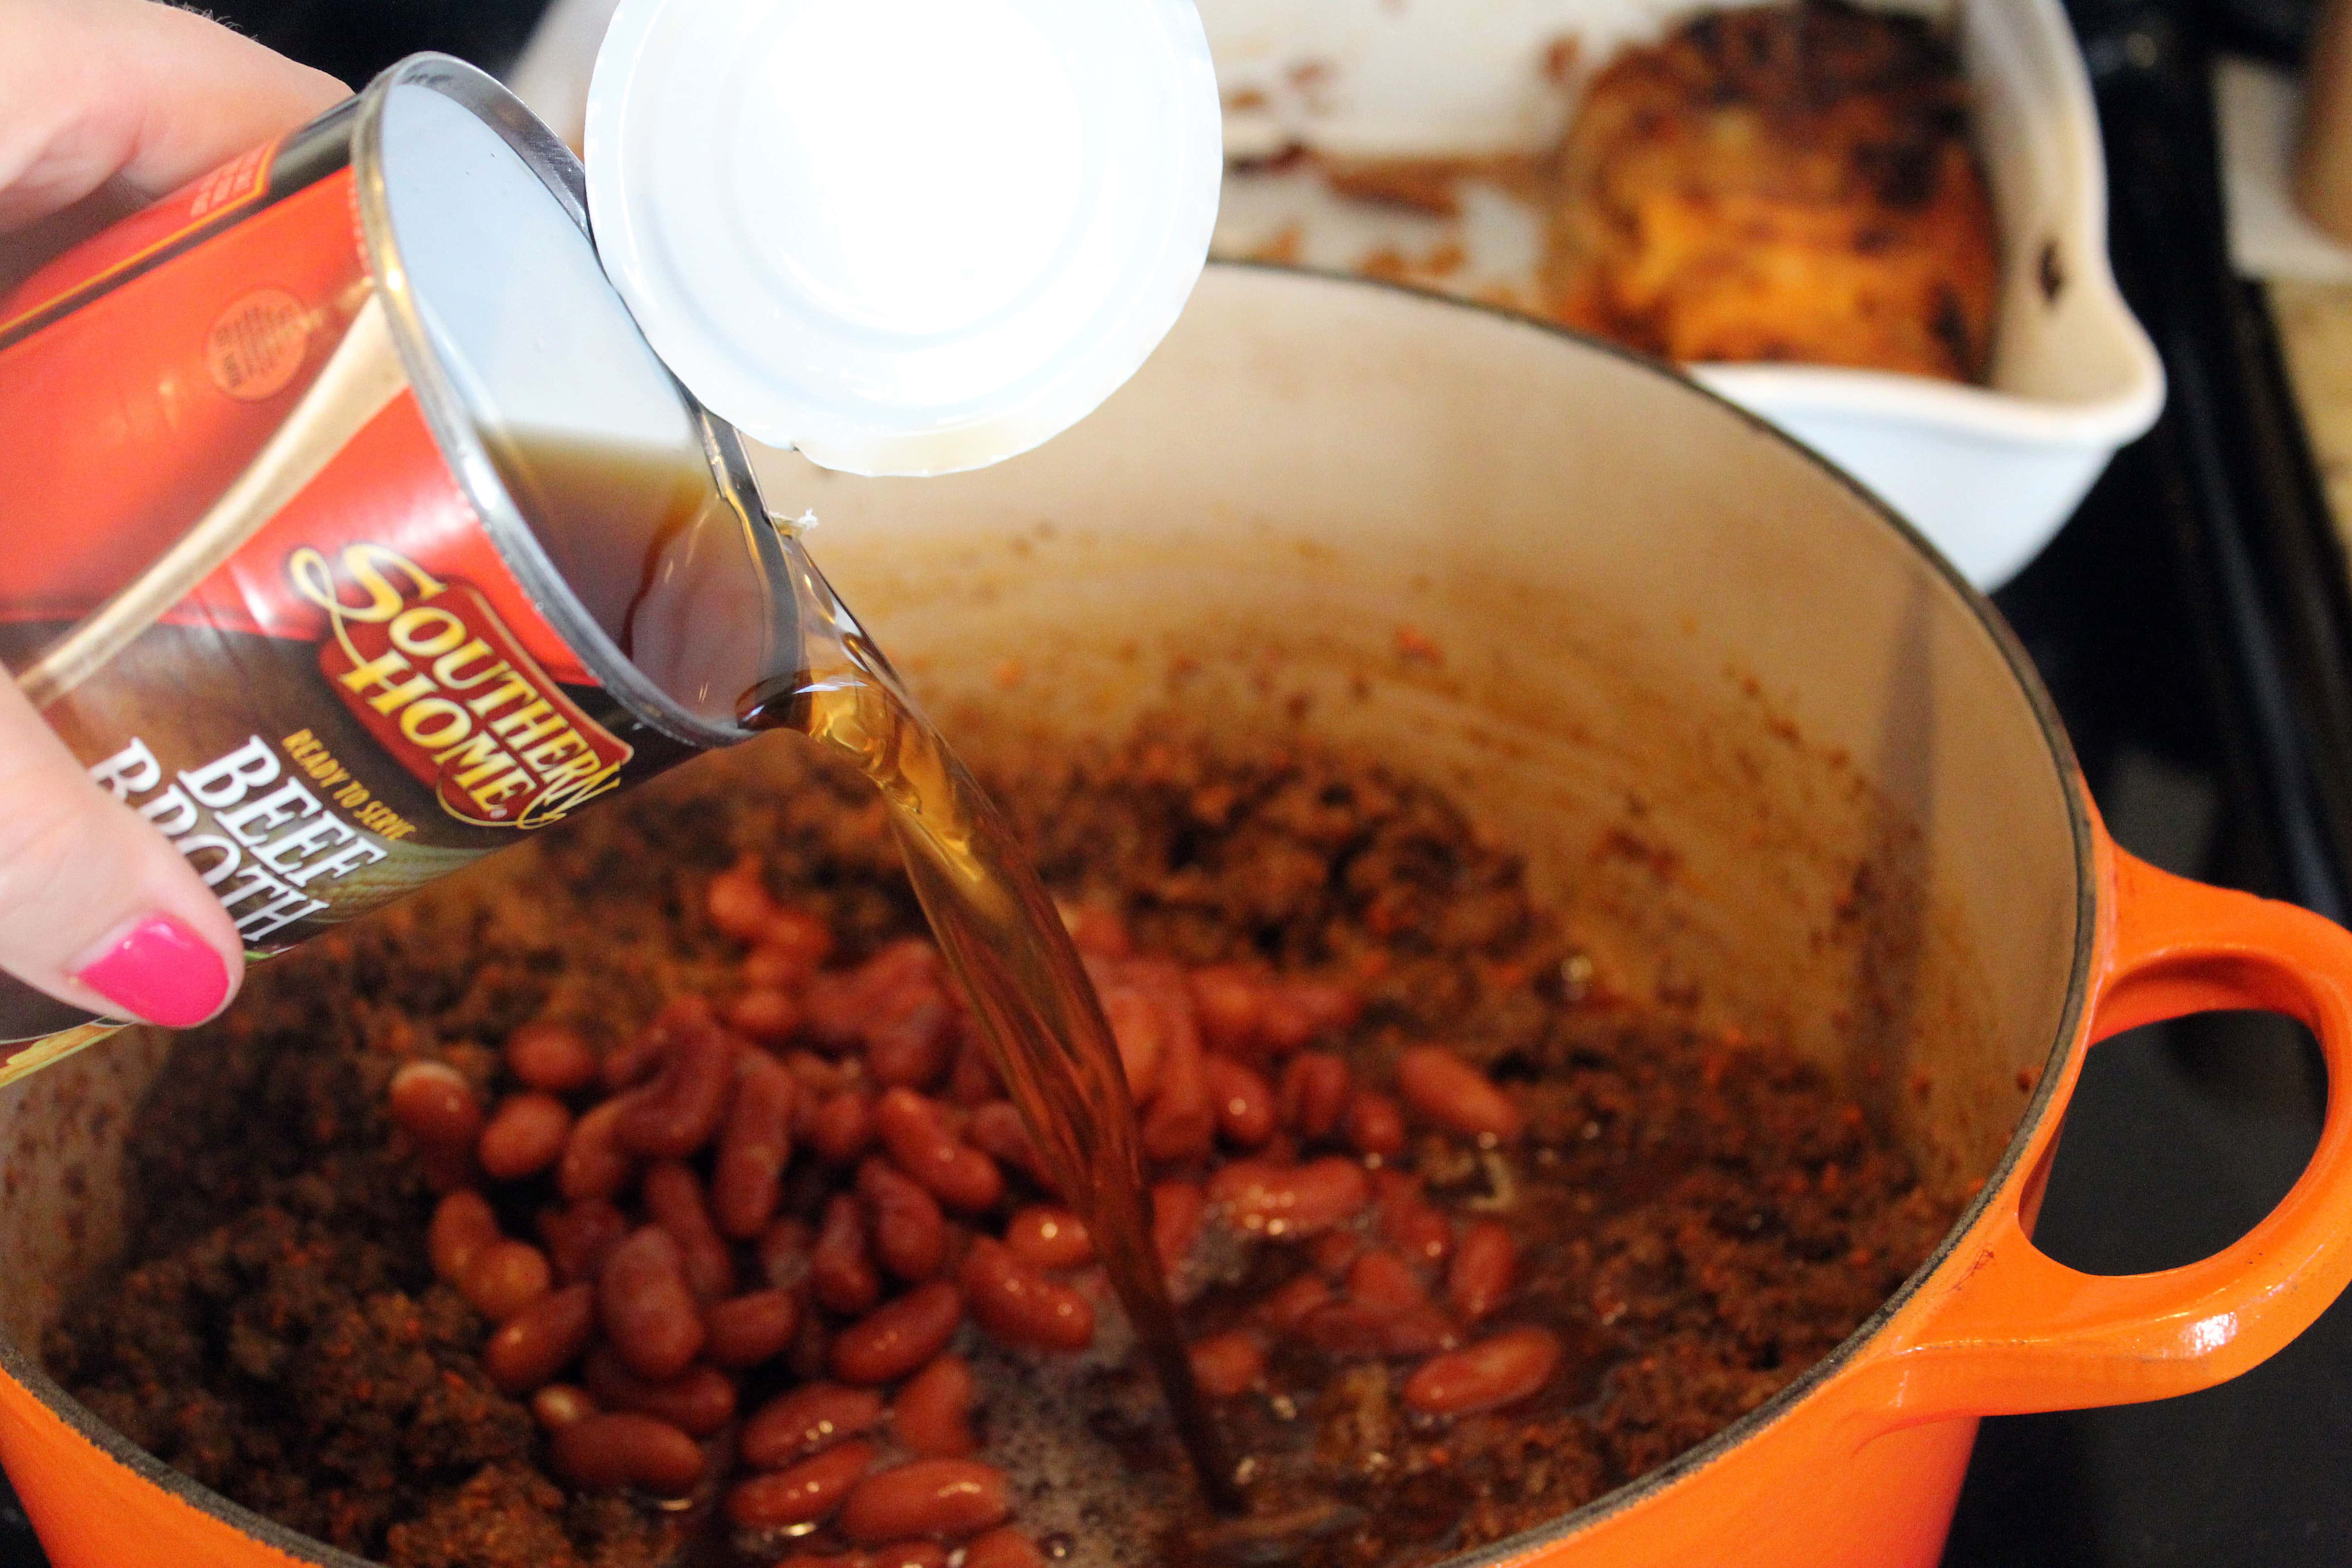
452,425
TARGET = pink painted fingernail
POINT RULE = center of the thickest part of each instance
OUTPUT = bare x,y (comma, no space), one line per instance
161,971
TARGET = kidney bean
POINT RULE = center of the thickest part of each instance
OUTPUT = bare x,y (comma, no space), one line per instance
918,1139
648,1310
738,902
1500,1370
1298,1012
698,1401
800,935
769,967
605,1452
897,1554
911,1042
972,1081
1290,1201
842,1127
808,1493
432,1104
782,1250
1444,1090
892,969
595,1165
581,1236
841,1272
754,1145
1228,1002
996,1129
676,1114
1179,1126
1003,1548
1408,1221
1292,1304
1379,1278
1484,1268
674,1200
524,1136
1373,1124
560,1405
1228,1363
529,1348
1333,1253
1177,1210
552,1058
898,1336
1022,1307
835,1010
909,1236
1097,931
764,1013
898,980
1356,1330
1136,1028
504,1278
1314,1087
820,1077
1046,1238
932,1416
1247,1114
629,1064
950,1498
751,1328
808,1420
463,1226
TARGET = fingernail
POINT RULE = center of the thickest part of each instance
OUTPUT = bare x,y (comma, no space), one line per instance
161,971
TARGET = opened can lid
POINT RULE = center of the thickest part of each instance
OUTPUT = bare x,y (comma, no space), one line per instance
906,237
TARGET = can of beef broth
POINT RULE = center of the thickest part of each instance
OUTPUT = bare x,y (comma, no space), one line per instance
524,572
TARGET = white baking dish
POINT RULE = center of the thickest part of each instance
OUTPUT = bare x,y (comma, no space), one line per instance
1989,473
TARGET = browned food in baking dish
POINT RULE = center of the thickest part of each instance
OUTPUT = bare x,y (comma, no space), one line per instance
1781,182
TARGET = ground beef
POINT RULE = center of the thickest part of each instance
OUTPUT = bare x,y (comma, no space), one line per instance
1699,1216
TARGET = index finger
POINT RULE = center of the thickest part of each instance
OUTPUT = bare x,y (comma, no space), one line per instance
135,93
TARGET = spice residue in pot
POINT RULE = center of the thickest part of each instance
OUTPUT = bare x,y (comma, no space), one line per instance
1464,1238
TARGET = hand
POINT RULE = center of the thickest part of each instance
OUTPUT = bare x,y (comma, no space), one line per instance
106,105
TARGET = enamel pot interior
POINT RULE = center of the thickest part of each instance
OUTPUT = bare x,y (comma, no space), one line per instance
1770,759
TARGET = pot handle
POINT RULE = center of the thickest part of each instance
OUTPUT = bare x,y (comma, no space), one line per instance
2017,1331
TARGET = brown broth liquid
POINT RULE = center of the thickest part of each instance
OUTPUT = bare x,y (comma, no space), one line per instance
669,571
1004,939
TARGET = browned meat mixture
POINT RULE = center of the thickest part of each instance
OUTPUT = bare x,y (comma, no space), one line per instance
1464,1238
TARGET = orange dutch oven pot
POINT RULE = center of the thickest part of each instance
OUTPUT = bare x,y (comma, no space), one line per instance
1771,760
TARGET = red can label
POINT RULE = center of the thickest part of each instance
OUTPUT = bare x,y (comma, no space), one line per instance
363,697
433,674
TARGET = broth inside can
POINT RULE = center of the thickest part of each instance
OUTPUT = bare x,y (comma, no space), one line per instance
584,430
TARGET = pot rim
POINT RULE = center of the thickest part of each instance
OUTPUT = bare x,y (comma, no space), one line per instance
27,1370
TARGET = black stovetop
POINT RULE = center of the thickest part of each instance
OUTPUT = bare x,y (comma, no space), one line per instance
2191,623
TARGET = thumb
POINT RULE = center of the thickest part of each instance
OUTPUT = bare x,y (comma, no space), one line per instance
96,907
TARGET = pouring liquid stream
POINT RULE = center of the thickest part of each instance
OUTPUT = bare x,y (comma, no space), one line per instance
666,560
1004,939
